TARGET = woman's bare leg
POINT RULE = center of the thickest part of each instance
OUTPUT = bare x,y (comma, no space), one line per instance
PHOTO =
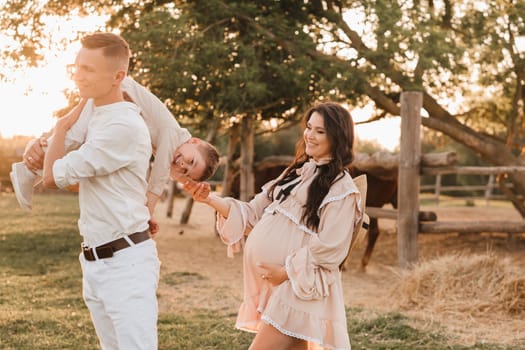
269,337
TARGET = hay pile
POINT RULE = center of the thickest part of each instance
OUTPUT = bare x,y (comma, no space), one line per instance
477,285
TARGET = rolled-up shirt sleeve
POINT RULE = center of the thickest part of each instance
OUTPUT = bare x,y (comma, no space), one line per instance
101,154
313,268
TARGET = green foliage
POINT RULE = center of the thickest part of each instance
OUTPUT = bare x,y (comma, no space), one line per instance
218,66
216,61
280,142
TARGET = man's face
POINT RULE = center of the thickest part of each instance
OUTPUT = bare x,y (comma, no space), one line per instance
93,74
189,161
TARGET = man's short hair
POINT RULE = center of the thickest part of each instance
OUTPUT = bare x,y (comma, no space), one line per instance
112,45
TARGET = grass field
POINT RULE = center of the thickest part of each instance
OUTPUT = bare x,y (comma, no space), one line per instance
41,305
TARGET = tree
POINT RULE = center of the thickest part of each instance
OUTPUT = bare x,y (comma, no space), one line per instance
219,72
441,48
371,50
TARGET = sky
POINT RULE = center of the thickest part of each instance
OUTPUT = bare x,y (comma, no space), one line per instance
34,94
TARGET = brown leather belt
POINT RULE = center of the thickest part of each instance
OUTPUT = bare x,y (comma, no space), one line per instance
106,250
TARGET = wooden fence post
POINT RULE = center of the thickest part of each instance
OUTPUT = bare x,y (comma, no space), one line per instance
408,183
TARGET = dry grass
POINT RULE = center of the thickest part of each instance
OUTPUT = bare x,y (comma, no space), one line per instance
476,284
467,291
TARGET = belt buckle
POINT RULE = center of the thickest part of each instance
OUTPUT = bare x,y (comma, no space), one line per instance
88,253
104,252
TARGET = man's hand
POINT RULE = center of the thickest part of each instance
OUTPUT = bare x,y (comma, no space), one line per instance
33,156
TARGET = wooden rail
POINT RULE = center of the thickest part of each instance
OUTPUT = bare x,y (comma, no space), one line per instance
472,226
472,170
408,188
488,189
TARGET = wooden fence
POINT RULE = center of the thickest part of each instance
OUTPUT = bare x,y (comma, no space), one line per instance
487,192
408,223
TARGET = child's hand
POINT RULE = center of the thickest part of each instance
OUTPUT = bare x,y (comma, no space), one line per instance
34,154
66,122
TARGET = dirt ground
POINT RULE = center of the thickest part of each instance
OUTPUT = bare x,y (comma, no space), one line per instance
197,275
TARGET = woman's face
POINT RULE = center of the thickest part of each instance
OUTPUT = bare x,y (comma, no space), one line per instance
316,140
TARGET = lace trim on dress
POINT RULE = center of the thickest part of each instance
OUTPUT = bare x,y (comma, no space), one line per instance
341,196
268,320
292,217
336,198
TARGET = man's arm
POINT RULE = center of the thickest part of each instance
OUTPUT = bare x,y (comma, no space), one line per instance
55,151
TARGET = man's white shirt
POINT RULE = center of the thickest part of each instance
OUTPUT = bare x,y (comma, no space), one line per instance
165,132
111,167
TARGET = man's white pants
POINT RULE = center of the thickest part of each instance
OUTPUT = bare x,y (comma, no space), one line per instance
120,293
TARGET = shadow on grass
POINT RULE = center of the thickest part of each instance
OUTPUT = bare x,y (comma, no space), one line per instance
201,331
46,333
47,238
37,254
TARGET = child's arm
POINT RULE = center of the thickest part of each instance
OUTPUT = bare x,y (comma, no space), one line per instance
34,153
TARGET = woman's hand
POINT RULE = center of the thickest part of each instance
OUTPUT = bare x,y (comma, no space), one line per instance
273,273
199,191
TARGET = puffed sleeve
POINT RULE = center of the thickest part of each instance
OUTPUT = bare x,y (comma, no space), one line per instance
243,216
314,267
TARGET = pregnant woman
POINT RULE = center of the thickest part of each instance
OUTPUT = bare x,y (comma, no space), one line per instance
295,235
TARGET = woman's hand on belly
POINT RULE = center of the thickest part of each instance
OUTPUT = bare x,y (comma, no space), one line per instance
273,273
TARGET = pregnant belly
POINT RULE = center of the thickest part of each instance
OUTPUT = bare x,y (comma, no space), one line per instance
272,240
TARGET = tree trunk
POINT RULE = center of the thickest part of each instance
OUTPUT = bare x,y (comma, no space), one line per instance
247,144
230,169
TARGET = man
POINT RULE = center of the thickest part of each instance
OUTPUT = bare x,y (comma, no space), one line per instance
172,145
119,260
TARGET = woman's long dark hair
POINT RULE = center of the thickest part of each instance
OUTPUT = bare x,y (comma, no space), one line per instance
339,128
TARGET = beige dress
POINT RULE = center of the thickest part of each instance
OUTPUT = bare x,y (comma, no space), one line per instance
310,304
